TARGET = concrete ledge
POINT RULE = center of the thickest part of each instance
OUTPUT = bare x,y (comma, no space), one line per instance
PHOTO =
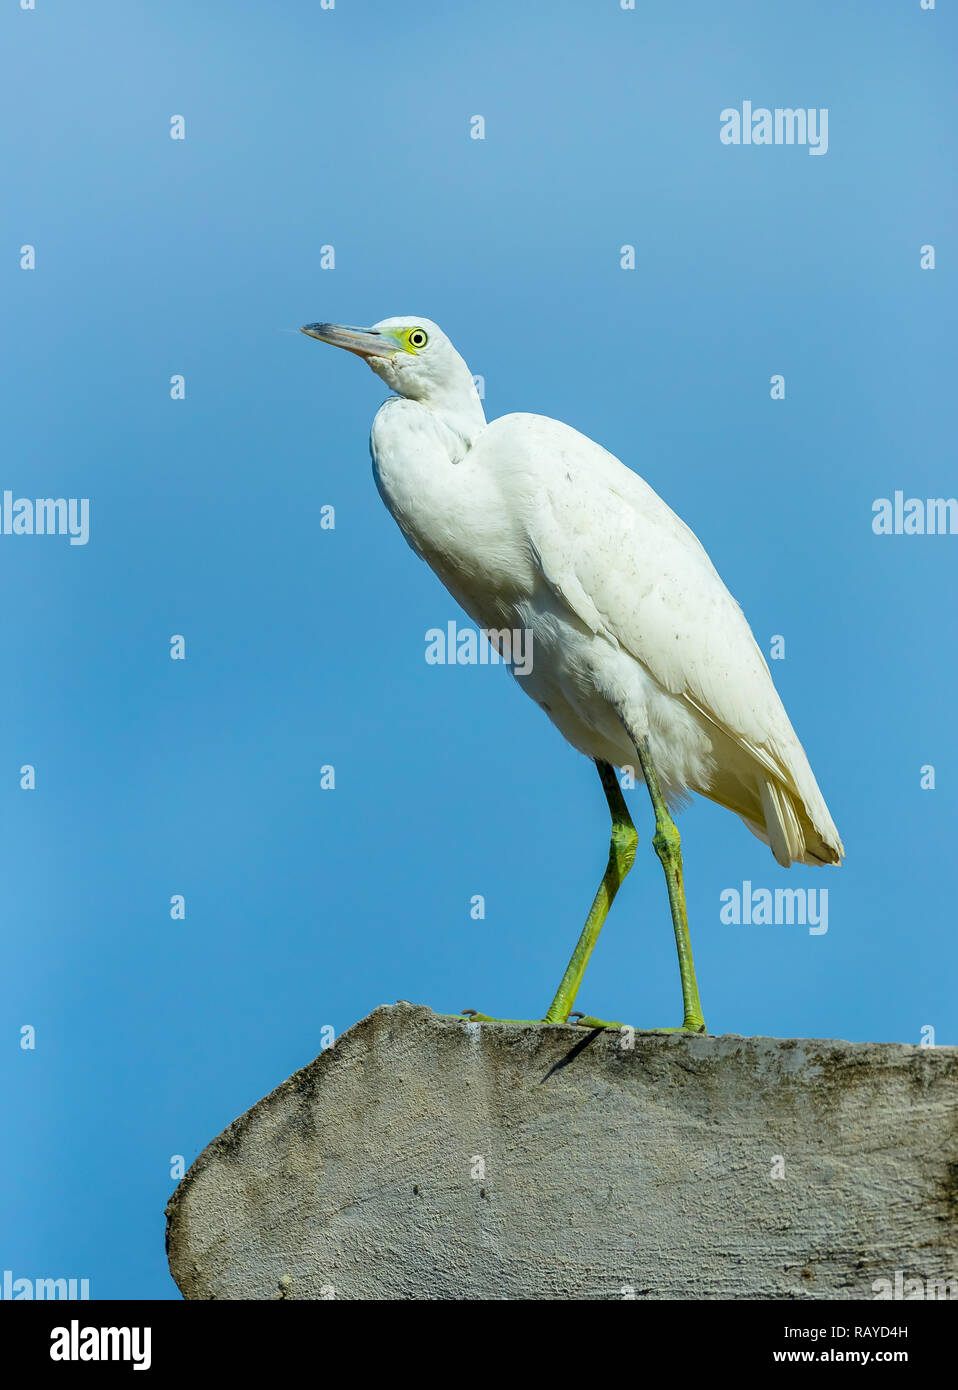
421,1158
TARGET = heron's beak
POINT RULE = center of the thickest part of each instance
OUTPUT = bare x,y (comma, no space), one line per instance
365,342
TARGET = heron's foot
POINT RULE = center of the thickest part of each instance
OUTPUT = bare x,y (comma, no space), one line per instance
473,1016
693,1027
587,1021
576,1020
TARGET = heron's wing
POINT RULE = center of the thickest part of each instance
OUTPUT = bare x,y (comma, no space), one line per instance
630,569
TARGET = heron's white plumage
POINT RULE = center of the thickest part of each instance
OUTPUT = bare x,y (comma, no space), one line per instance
529,524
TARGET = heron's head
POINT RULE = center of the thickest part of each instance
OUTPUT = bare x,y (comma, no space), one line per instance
414,358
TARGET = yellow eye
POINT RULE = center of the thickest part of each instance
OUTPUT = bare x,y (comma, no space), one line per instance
418,338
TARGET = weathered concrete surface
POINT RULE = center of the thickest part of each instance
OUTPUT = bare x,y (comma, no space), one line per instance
606,1169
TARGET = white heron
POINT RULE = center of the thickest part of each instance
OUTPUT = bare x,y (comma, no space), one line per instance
639,652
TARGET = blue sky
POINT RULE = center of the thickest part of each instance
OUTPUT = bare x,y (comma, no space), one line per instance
305,647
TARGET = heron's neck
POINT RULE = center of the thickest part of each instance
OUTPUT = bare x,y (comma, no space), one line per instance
462,414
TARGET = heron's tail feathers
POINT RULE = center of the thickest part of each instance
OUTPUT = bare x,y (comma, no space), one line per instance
797,828
788,826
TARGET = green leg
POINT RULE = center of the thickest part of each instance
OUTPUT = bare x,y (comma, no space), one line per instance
668,847
621,857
